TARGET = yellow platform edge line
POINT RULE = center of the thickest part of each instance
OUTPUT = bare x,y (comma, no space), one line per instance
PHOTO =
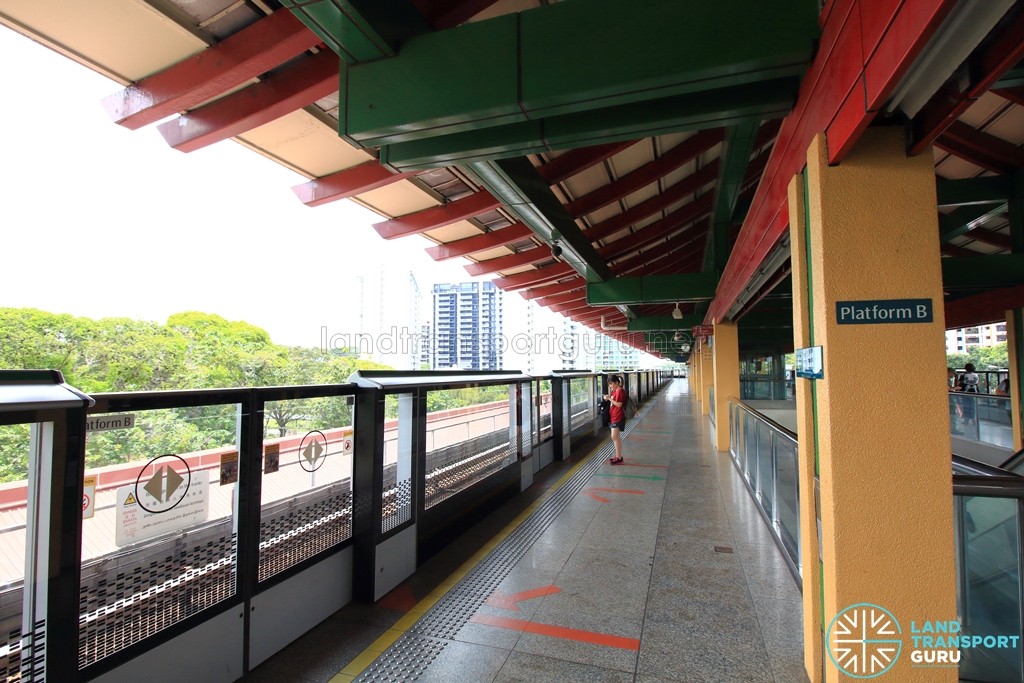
367,656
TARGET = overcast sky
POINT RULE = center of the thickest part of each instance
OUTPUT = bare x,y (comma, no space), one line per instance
102,221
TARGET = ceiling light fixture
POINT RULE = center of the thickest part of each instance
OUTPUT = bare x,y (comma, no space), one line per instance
676,313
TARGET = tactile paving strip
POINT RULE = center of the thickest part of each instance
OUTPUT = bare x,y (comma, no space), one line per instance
416,649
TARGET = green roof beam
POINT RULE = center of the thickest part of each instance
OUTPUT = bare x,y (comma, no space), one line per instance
654,289
724,107
555,60
961,221
360,30
1002,270
965,191
655,323
736,150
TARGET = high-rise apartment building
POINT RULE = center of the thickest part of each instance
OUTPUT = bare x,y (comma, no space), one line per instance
467,326
959,341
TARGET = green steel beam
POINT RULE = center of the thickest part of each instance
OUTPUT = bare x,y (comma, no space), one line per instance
572,58
654,323
727,106
361,30
1016,216
987,190
1004,270
736,150
654,289
525,193
961,221
766,320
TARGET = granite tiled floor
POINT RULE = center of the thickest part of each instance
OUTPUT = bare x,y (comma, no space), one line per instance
658,570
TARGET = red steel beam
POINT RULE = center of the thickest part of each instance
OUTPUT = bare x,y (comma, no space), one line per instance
556,288
299,85
569,307
567,297
348,183
437,216
533,277
693,211
478,243
998,56
681,154
994,239
658,202
1015,95
578,160
981,149
523,258
956,251
253,51
866,47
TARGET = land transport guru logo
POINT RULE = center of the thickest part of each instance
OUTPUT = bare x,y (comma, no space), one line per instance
866,641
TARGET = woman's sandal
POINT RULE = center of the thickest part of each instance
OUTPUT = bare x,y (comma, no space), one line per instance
615,461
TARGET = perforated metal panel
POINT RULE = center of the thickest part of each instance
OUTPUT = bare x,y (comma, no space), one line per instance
303,529
397,508
458,467
127,598
414,651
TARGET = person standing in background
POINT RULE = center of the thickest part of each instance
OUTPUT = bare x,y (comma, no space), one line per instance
617,397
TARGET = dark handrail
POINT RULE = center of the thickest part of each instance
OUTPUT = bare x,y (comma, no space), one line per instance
990,486
963,465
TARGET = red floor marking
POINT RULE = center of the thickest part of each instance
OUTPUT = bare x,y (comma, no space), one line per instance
499,599
598,488
402,599
599,499
559,632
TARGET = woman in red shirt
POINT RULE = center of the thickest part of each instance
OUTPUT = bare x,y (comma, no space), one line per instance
617,397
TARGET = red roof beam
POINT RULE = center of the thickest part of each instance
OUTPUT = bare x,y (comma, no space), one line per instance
658,202
299,85
1015,94
567,297
533,277
523,258
697,231
956,251
682,153
999,56
981,149
994,239
348,183
661,228
478,243
982,309
578,160
253,51
556,288
437,216
571,306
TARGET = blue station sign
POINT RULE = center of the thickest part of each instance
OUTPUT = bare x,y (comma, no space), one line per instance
884,311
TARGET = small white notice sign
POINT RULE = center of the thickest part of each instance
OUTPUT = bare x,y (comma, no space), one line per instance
142,511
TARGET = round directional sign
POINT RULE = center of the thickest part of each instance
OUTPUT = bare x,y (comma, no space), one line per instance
313,451
162,483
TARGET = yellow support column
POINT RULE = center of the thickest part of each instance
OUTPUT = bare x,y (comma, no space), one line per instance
695,378
707,378
725,350
872,244
810,560
1013,342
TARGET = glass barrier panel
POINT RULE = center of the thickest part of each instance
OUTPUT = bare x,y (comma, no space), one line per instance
989,578
544,411
711,403
787,492
469,437
159,535
750,448
581,402
765,468
982,418
15,445
306,494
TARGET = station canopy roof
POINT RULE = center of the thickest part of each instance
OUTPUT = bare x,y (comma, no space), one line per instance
617,162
